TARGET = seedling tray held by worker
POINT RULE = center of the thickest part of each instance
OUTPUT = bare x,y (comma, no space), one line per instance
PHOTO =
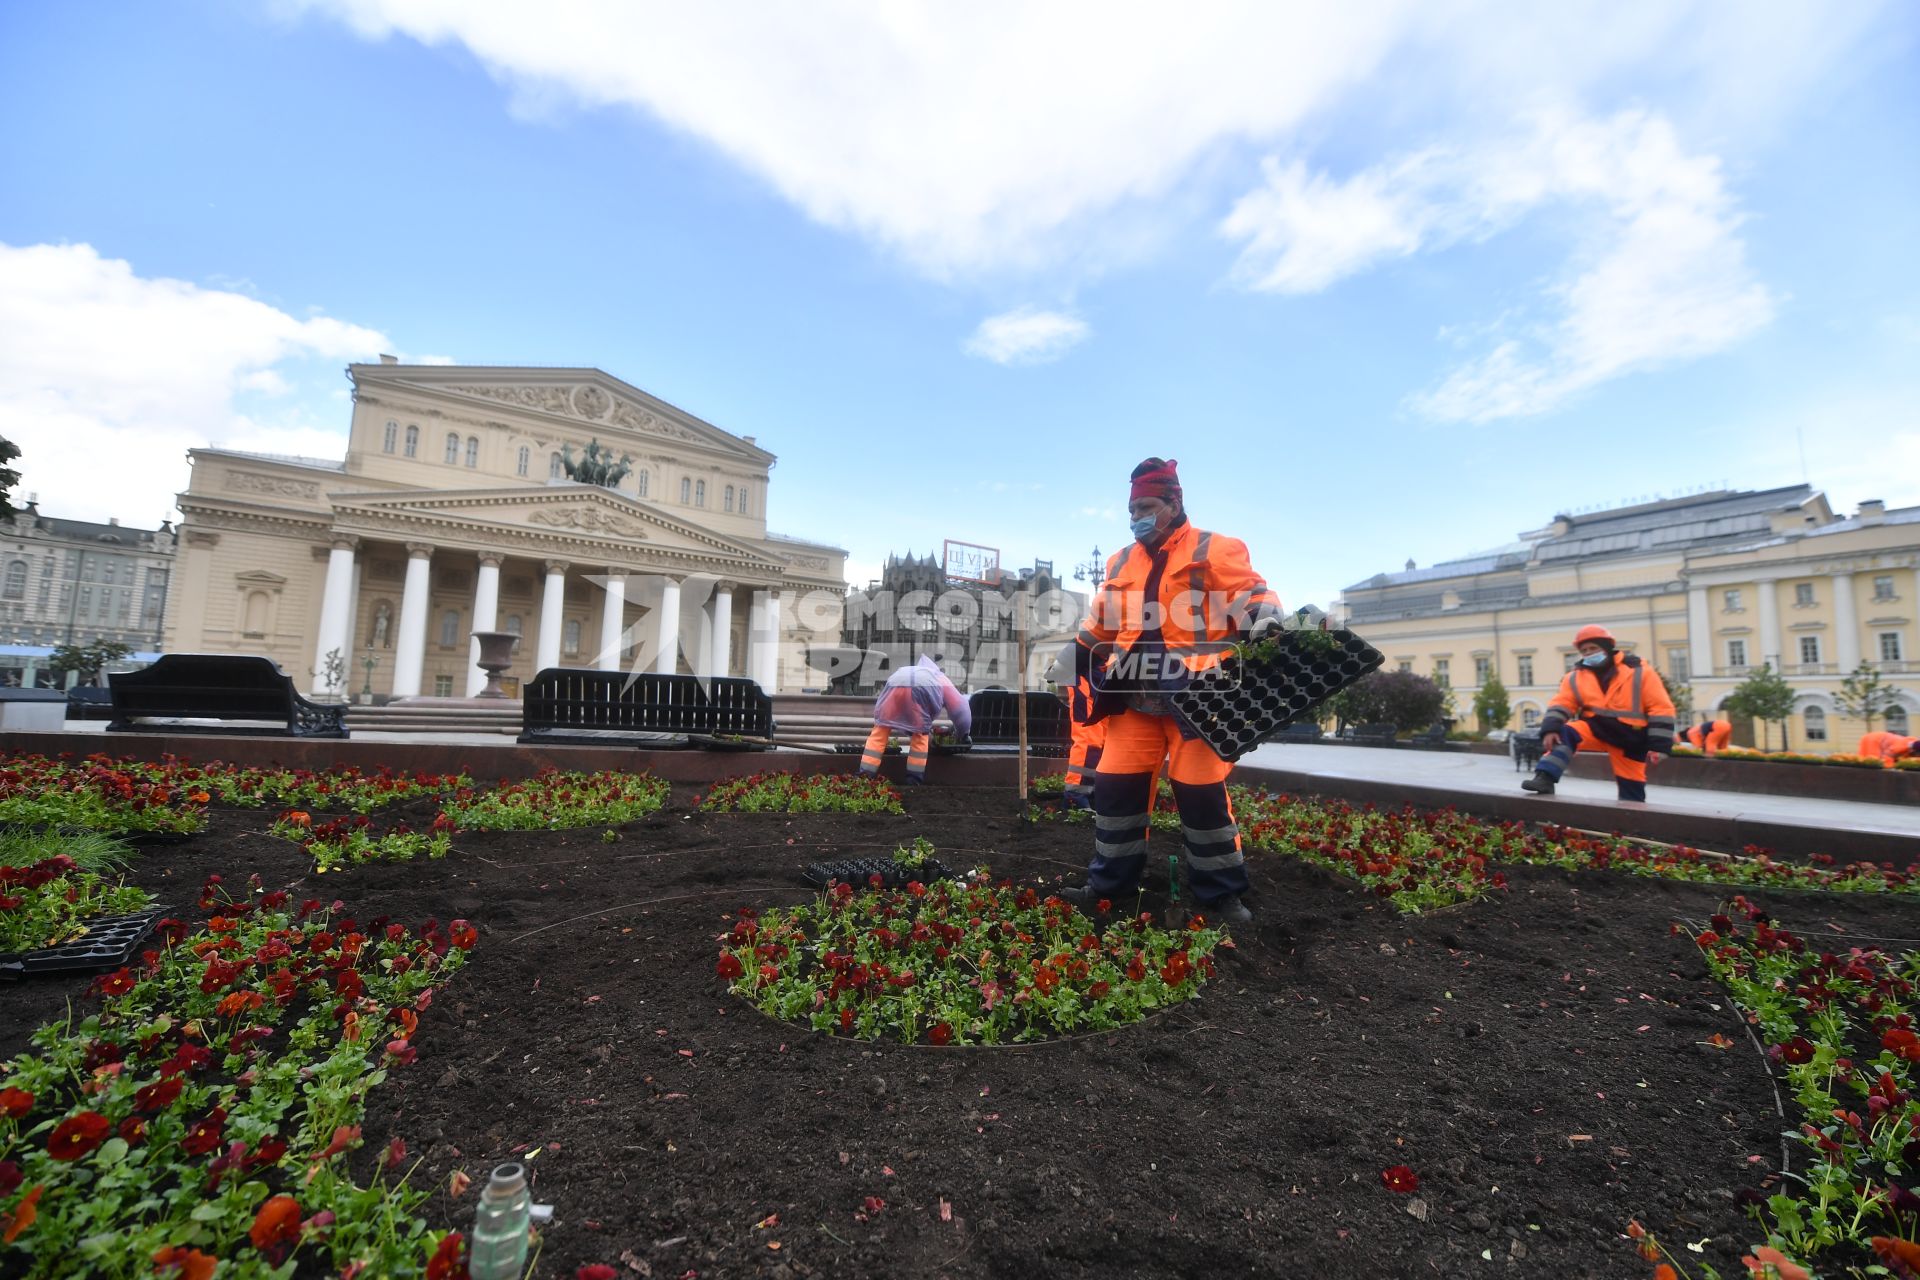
1259,688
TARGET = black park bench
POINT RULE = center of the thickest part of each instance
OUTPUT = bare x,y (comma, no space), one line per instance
996,722
244,693
1379,734
581,706
1525,748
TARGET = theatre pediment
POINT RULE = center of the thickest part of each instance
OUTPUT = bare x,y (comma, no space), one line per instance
573,511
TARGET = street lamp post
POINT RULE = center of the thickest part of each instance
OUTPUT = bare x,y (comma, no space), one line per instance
371,661
1093,572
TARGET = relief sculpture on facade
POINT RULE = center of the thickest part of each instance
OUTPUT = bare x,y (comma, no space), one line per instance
272,486
589,520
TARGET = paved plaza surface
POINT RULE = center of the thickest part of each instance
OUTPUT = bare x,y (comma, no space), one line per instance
1467,771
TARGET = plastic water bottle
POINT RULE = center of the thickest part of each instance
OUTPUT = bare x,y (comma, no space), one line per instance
498,1250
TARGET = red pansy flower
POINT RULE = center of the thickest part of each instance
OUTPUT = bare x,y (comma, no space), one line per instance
277,1223
77,1135
15,1102
1399,1178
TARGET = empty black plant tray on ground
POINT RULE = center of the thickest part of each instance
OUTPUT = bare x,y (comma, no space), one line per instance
1234,706
859,872
107,944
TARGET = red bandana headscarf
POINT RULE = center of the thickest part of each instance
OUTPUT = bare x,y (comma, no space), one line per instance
1155,478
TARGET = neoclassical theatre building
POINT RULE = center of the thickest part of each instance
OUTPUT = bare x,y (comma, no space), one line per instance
453,513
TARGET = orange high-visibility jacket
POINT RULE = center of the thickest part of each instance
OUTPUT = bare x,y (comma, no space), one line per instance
1633,712
1888,746
1206,589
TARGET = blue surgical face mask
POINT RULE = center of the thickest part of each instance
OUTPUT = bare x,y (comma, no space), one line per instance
1143,527
1596,659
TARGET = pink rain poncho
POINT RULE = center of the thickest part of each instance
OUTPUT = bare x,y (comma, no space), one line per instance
916,696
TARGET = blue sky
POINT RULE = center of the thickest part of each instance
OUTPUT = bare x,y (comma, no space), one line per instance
1389,286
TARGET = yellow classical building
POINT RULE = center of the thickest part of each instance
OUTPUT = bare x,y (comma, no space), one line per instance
453,512
1706,587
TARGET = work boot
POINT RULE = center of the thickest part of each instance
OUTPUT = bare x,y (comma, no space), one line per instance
1083,897
869,773
1541,784
1227,910
916,780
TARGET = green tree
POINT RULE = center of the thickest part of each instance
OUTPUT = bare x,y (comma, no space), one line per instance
86,659
1766,697
1490,705
8,477
1864,696
1682,694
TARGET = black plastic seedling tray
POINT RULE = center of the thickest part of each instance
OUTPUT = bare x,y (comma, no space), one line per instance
107,944
1236,705
859,872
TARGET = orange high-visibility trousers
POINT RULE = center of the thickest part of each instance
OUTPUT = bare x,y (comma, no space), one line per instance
877,741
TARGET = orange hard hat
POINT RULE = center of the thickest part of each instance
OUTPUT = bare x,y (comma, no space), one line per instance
1595,633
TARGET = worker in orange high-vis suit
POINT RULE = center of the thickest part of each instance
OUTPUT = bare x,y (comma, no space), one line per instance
1608,701
1089,740
1710,736
914,697
1170,603
1890,747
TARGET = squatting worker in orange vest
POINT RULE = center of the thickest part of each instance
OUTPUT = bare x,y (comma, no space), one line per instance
1089,740
1611,701
1710,736
1890,747
1171,601
914,697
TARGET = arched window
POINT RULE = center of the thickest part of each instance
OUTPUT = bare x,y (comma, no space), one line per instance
729,498
743,500
641,481
391,438
686,490
525,459
555,470
413,442
570,636
1530,717
1816,722
453,448
1897,720
16,588
473,451
700,493
450,628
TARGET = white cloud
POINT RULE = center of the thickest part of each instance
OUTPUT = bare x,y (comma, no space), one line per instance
108,378
1660,275
1003,134
1026,335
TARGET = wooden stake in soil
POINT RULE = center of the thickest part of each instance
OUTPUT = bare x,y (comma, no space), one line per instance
1020,636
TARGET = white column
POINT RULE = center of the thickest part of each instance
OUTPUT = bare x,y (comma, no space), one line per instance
410,648
770,651
1846,624
722,628
666,628
613,619
553,606
1769,592
1699,634
486,615
703,641
336,608
755,666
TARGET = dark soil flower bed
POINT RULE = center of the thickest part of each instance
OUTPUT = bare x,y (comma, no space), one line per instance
1354,1092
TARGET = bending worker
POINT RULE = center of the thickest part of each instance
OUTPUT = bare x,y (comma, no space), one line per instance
1089,740
912,700
1890,747
1612,701
1710,736
1170,601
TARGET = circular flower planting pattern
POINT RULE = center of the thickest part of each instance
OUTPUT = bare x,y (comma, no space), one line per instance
959,963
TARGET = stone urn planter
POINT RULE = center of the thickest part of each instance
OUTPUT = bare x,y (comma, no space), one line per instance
496,655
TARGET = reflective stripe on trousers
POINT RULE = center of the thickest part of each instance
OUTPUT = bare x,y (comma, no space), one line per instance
1137,747
877,747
